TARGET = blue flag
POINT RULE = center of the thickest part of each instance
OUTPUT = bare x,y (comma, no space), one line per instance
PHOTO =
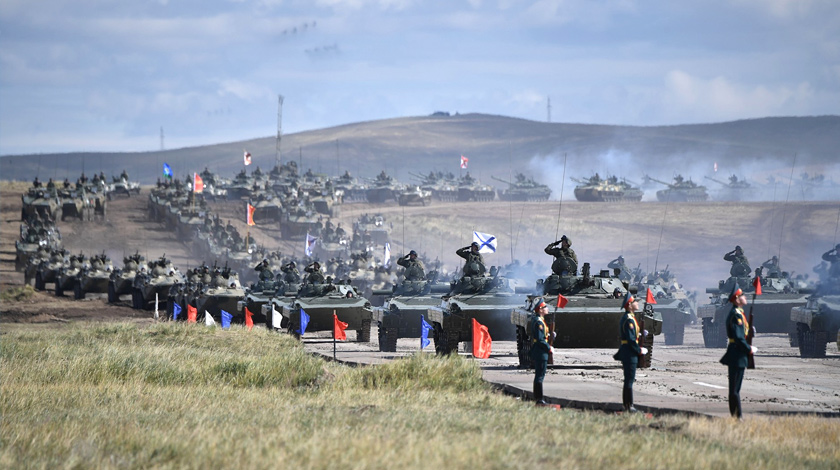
304,322
176,310
425,327
167,171
226,318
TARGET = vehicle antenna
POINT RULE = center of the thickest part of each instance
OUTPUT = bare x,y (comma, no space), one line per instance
836,227
510,200
784,211
560,207
661,231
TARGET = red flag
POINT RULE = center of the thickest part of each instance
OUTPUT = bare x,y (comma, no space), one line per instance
249,218
650,299
757,285
247,158
482,343
561,301
249,321
198,183
338,328
464,161
192,313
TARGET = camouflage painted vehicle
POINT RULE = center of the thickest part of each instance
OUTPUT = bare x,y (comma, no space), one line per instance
46,272
591,317
375,227
399,316
67,276
223,293
32,262
35,235
735,190
383,188
43,202
488,299
81,204
121,280
771,310
611,189
268,207
524,189
673,303
681,190
190,221
240,187
95,278
154,282
352,190
471,189
818,321
320,301
444,187
414,196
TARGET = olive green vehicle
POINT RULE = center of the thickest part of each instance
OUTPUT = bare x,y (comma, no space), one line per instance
591,317
818,321
771,310
673,303
30,268
67,276
320,301
399,316
82,204
121,280
95,278
47,271
223,293
471,189
524,189
681,190
414,195
596,189
383,188
444,187
486,299
42,202
735,190
154,281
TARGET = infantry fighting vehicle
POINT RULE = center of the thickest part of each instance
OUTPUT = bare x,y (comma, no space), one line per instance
414,196
818,321
320,301
771,310
67,275
31,267
47,271
399,316
154,282
223,293
596,189
94,278
43,202
81,204
121,280
524,189
471,189
673,303
488,299
268,207
681,190
444,187
735,190
375,227
383,188
591,317
241,186
122,186
299,221
260,294
351,189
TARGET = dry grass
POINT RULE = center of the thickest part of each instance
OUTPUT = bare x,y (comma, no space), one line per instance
174,396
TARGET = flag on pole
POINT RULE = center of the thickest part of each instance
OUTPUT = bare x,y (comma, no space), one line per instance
226,318
247,158
192,313
338,329
176,310
715,167
425,328
249,217
650,299
387,259
757,285
304,322
167,171
310,244
486,242
198,184
482,343
464,162
157,315
276,318
561,301
208,319
249,320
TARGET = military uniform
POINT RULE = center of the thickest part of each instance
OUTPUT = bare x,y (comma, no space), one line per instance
623,270
740,265
538,331
629,352
565,259
833,257
413,268
474,265
315,275
737,352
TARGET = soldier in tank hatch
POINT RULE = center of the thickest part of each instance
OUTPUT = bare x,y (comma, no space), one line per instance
565,260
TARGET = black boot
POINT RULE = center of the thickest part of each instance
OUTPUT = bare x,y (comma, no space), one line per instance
538,394
734,407
627,398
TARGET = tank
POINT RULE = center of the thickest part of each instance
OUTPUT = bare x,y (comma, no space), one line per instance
222,293
268,207
818,321
190,220
673,303
67,275
352,190
471,189
524,189
43,202
399,315
383,188
299,221
121,280
681,190
95,278
771,310
154,280
414,196
735,190
444,187
47,271
611,189
240,187
591,317
376,228
488,299
320,301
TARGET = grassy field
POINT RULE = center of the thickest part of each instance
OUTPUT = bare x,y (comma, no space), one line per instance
176,396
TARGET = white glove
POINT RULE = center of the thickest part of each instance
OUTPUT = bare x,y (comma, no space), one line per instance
551,350
753,349
644,351
553,336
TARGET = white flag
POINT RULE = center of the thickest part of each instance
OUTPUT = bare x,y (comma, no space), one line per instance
247,158
486,242
208,320
276,318
157,315
387,262
310,244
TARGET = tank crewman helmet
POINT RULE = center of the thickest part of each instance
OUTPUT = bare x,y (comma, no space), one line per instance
736,292
837,247
412,253
475,244
566,239
628,299
738,249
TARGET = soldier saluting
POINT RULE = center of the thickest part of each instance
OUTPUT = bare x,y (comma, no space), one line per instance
291,275
565,259
315,275
413,267
833,257
740,265
474,265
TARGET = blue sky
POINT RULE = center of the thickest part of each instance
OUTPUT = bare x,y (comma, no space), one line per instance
106,75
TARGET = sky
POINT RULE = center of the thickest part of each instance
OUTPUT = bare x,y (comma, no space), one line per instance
108,75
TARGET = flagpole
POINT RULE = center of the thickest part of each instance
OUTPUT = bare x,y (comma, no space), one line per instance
334,319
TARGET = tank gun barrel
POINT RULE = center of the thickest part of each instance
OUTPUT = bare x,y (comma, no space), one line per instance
500,179
577,180
716,180
659,181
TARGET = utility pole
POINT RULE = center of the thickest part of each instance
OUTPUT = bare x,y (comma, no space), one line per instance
549,109
279,128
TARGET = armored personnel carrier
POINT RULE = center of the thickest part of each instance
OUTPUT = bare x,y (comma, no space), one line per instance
223,293
268,207
82,205
591,317
121,280
351,189
241,186
375,227
158,278
67,276
399,316
414,196
122,187
681,190
488,299
383,188
735,190
818,321
42,202
95,278
443,187
471,189
31,267
524,189
299,221
771,310
611,189
673,303
320,301
46,272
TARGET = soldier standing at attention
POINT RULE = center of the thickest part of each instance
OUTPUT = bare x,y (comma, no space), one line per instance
630,349
738,350
565,259
474,265
315,275
740,265
413,267
833,257
540,348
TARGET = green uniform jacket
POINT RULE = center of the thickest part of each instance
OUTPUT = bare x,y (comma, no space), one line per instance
738,350
539,343
629,331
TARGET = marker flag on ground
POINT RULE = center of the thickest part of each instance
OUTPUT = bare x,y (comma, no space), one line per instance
387,259
157,315
247,158
167,171
464,161
208,319
304,322
310,244
338,329
249,320
226,318
192,313
198,184
176,310
425,328
276,318
757,285
486,242
650,299
561,301
482,343
249,217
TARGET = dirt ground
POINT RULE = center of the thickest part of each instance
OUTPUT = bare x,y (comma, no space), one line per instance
689,238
